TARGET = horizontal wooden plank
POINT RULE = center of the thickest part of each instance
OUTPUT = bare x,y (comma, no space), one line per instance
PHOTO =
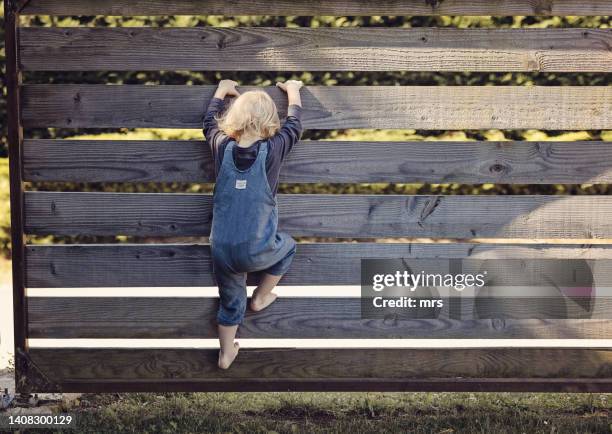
158,265
329,107
293,317
361,385
326,161
314,49
309,7
147,369
328,215
119,160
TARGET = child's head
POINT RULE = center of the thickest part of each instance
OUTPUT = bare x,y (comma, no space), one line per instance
252,114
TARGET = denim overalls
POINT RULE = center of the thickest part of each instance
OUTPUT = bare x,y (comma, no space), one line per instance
244,235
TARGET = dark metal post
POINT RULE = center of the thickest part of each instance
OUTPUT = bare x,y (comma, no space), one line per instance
15,139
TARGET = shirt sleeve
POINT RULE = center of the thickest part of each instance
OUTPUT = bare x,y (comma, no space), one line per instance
281,143
289,134
214,136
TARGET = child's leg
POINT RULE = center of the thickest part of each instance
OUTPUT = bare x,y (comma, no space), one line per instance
229,348
232,306
263,295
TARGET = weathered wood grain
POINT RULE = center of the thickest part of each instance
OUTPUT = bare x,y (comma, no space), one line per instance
156,265
566,385
318,7
287,318
327,161
118,160
315,49
13,180
329,107
175,365
328,215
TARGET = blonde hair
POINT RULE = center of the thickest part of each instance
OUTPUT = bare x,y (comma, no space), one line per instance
253,112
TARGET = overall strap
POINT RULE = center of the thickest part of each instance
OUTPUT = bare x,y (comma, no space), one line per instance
227,153
262,154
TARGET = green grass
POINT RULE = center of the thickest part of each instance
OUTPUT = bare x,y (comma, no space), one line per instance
346,413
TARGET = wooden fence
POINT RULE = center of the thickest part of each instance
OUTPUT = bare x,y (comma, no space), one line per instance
578,223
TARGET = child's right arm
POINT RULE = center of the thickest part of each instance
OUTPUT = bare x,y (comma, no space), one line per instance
291,131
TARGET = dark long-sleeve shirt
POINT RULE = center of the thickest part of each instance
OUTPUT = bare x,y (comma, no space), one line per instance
279,145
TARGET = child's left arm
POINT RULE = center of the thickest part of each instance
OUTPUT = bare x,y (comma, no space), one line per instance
214,136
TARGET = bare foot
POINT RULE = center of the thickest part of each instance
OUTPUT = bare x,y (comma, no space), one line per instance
260,302
226,359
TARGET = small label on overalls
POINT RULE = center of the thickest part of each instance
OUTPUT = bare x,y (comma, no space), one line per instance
241,184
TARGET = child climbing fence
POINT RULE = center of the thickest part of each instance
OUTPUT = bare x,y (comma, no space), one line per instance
573,222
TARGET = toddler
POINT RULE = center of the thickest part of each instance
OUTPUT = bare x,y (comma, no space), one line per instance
248,146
